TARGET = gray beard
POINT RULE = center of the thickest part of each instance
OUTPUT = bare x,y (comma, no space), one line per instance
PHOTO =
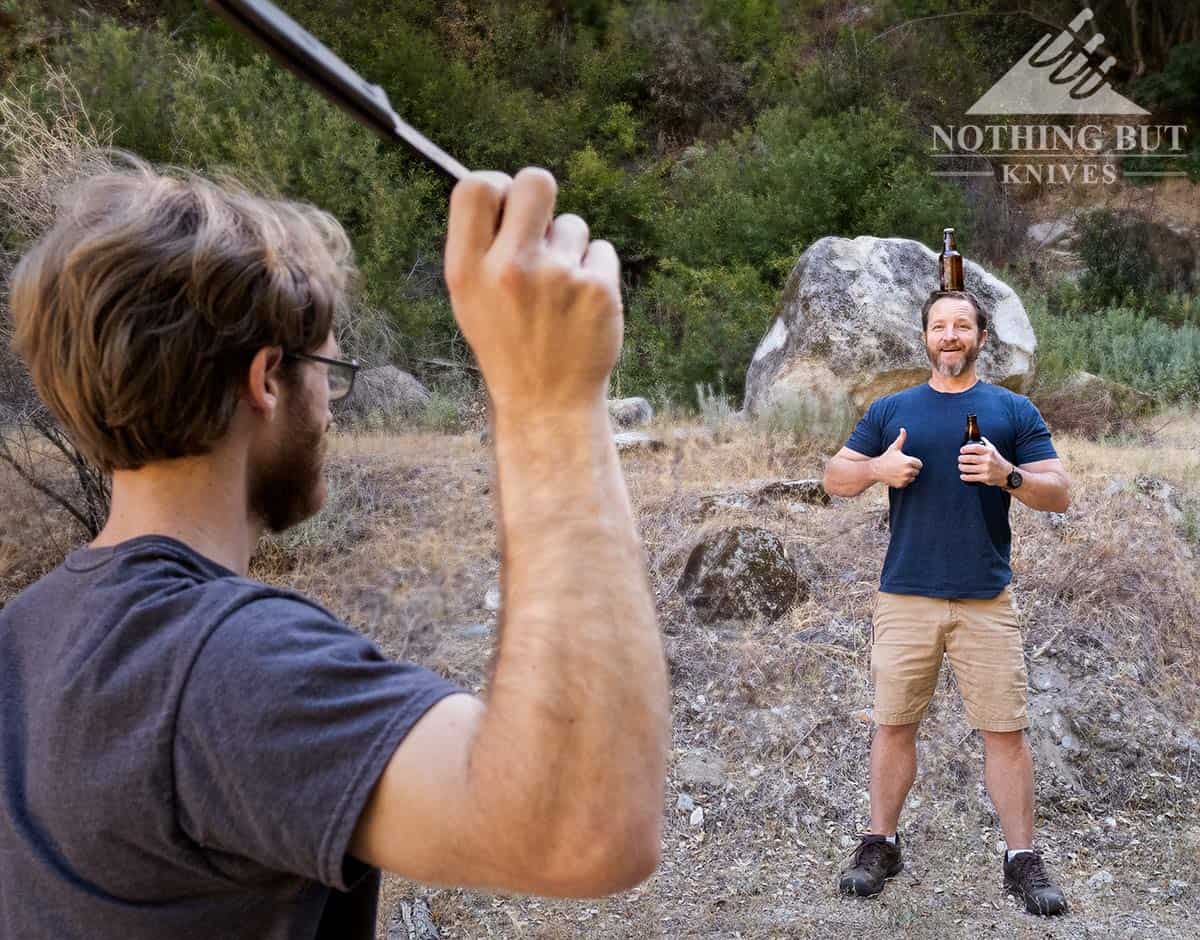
952,371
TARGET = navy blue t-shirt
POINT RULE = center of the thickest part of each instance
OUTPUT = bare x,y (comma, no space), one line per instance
950,539
186,753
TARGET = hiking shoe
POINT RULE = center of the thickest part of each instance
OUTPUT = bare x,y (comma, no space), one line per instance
1026,878
874,862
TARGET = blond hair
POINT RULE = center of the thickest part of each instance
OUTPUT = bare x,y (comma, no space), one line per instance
140,310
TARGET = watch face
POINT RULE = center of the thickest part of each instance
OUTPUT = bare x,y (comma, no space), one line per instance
1014,479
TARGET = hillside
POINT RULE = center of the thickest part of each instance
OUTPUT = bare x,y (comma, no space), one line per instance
770,721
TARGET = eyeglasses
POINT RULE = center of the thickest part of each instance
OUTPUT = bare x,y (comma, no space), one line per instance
341,373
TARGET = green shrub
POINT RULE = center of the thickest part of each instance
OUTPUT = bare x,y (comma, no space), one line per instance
1121,344
1116,249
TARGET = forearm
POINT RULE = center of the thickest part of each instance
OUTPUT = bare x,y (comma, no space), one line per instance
577,707
1045,492
848,477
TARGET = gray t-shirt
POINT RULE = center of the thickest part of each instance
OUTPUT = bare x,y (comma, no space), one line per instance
186,753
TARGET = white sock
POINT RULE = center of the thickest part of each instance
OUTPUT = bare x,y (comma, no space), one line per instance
1010,854
891,839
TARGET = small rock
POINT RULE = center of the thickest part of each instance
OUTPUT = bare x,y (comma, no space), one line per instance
1100,879
473,630
1116,486
629,412
1110,822
491,598
740,572
697,817
1069,742
1047,678
810,820
630,441
685,804
1176,888
1191,842
805,491
699,768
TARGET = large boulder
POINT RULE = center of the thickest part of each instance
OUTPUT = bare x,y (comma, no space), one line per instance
383,397
848,330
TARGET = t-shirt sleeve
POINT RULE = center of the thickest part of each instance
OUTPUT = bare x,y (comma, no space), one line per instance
1033,437
287,721
867,436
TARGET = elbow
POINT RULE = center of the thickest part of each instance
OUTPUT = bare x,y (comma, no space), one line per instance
830,484
592,864
1064,496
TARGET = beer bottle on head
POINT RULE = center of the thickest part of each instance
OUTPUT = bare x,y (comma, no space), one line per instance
950,263
972,437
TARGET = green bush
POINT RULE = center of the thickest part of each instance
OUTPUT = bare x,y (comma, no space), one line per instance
692,326
1121,344
1116,249
765,195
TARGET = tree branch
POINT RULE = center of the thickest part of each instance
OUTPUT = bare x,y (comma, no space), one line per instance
1037,18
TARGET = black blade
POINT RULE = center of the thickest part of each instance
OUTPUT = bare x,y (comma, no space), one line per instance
303,54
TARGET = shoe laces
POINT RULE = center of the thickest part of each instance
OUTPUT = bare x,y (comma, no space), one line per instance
1031,870
869,849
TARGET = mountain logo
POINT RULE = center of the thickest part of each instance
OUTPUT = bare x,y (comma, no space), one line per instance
1058,76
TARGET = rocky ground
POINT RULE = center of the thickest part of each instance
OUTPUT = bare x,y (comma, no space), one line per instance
767,786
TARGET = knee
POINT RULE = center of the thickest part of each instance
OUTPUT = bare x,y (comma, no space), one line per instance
896,734
1003,742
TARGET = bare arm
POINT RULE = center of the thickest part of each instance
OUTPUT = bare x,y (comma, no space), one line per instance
1045,486
554,784
849,473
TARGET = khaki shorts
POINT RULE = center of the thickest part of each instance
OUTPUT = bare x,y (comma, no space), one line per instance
982,639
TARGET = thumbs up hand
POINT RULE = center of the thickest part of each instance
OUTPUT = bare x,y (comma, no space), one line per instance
894,467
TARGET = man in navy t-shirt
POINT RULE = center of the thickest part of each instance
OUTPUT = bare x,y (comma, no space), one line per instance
944,587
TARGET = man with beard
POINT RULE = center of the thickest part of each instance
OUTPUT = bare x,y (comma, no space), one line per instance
944,587
190,753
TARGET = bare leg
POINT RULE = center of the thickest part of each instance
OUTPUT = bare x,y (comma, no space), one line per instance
893,770
1008,773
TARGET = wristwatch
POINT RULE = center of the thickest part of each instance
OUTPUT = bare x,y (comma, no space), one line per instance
1013,480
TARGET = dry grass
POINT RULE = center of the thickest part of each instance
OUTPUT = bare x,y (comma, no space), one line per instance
406,549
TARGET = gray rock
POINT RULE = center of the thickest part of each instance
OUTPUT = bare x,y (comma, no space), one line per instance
849,331
1100,879
630,412
738,573
700,768
1057,232
473,631
1113,396
383,397
491,597
1162,492
1047,678
803,491
685,804
631,441
796,493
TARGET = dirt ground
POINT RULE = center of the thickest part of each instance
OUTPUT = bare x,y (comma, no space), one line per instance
775,716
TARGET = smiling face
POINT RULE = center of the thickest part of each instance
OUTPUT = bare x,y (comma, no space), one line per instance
952,336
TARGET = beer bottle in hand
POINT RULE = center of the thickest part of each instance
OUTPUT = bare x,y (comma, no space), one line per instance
972,437
950,263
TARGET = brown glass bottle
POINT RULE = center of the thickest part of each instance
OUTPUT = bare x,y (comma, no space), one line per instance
950,263
972,436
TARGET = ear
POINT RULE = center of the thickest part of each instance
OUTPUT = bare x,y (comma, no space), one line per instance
263,380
